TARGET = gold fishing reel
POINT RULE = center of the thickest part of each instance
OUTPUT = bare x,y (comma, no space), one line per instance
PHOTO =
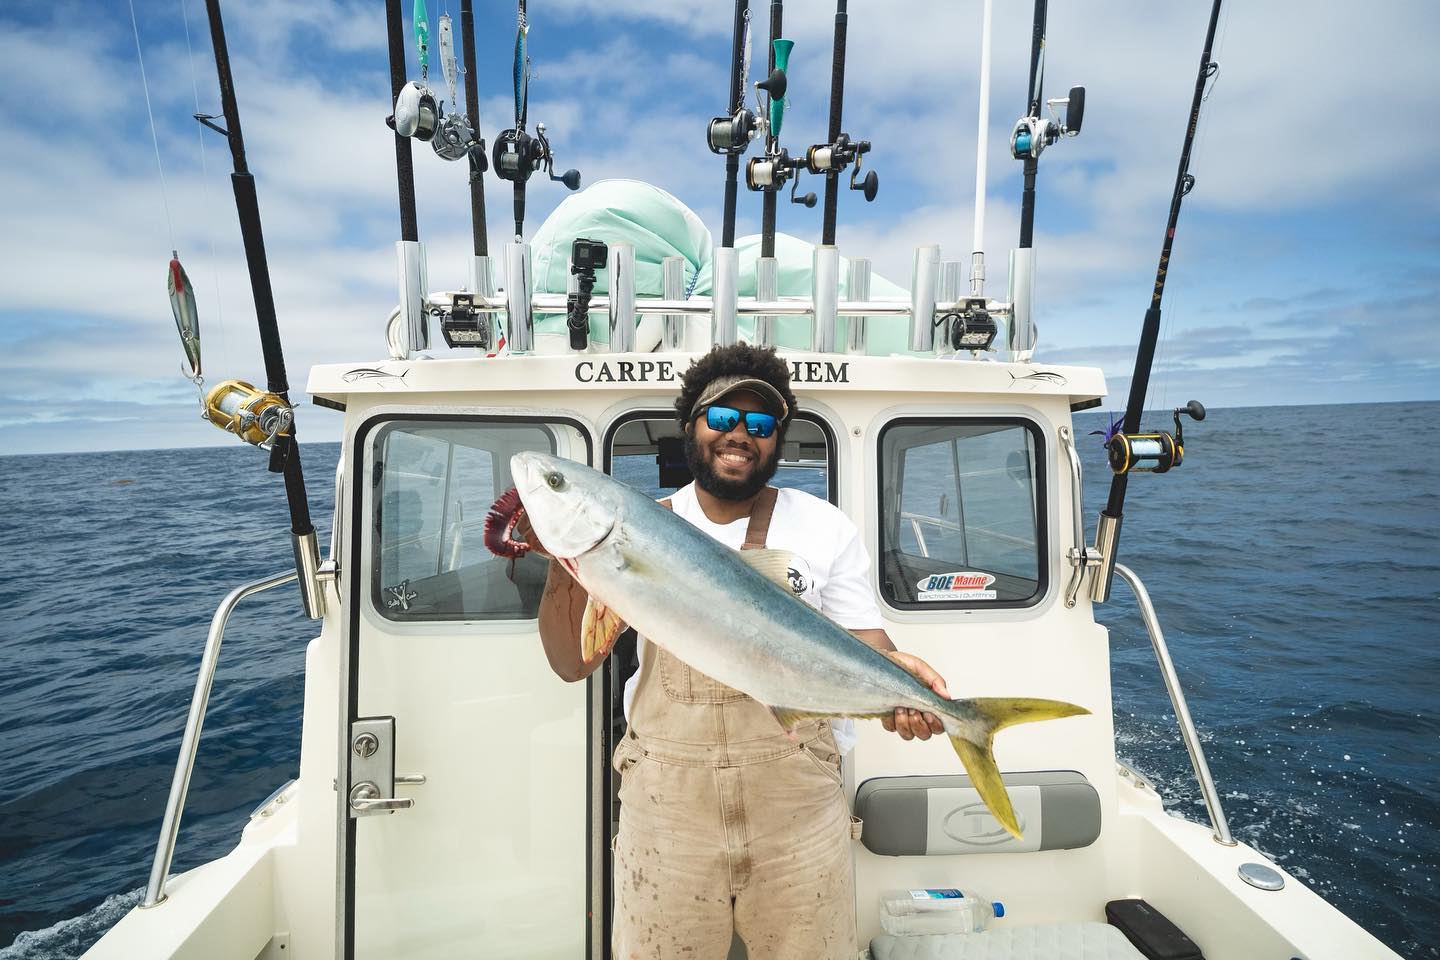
255,416
1151,452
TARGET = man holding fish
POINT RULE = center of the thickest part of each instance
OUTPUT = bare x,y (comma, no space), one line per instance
759,631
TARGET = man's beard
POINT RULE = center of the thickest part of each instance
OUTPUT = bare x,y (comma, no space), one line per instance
707,480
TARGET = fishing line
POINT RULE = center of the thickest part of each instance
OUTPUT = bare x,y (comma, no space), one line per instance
154,137
205,183
1169,325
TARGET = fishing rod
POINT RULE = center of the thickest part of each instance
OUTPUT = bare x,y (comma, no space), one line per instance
769,173
478,160
266,418
730,135
832,158
518,154
1157,452
1031,135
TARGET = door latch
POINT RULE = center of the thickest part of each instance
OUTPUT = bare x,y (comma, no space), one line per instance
372,769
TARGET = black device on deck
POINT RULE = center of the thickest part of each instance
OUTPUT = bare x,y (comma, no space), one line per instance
586,257
1151,931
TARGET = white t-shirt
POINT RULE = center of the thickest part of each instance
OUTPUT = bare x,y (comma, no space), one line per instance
833,574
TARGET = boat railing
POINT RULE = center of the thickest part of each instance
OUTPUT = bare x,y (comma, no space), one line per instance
189,744
1219,826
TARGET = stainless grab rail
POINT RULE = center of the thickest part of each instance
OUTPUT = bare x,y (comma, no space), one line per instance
1182,712
180,785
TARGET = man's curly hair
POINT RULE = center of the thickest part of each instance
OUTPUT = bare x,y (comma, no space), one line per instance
742,360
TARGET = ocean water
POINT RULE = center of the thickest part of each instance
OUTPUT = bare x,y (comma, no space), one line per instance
1292,560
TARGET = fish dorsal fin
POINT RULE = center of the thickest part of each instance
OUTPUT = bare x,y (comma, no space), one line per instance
773,565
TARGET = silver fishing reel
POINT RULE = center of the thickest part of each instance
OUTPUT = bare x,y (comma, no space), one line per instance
454,138
1033,134
417,112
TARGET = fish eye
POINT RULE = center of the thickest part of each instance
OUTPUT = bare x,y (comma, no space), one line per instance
555,479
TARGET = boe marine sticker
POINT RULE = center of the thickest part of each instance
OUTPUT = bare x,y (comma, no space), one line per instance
965,585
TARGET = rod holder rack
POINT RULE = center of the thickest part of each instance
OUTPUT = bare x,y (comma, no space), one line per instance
934,295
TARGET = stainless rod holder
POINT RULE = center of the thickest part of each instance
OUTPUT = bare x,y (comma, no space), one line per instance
948,290
924,277
1021,296
519,320
858,288
672,287
767,285
1221,829
725,297
190,743
825,295
307,568
482,276
621,269
410,255
1107,535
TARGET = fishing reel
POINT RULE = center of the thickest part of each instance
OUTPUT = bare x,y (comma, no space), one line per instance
1033,134
586,257
255,416
732,135
835,157
772,171
417,112
1151,452
517,155
971,327
455,139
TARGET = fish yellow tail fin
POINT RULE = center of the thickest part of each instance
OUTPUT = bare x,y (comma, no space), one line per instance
974,747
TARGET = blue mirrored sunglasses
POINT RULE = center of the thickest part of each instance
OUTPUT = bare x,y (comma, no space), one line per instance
725,419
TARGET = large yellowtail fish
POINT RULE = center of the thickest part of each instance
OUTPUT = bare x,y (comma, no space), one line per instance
726,613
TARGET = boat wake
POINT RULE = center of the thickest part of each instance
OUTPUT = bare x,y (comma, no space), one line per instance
70,938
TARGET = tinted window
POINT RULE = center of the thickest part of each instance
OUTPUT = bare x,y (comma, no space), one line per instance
434,482
637,446
960,513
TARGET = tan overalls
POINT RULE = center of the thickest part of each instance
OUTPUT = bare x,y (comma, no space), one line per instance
726,820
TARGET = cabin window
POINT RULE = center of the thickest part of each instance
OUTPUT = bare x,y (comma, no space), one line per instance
433,483
645,450
962,502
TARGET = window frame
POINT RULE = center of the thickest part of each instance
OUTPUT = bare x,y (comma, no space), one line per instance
1041,508
832,452
366,536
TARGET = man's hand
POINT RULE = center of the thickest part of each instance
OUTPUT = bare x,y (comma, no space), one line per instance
913,723
527,533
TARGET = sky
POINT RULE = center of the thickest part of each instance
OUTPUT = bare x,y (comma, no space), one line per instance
1306,266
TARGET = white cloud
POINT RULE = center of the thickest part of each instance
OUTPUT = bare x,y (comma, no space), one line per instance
1310,129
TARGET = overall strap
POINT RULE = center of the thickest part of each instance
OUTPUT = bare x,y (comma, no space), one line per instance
760,515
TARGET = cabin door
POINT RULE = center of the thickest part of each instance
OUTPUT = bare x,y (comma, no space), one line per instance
466,825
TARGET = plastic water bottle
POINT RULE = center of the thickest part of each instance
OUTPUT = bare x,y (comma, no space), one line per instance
936,910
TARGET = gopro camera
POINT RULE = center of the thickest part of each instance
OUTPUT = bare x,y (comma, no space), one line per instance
586,257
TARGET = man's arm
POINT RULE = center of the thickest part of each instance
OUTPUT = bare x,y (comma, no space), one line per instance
562,608
908,723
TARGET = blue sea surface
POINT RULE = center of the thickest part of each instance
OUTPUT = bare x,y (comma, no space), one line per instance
1292,560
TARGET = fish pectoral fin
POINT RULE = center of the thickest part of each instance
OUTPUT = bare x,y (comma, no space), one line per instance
773,565
598,629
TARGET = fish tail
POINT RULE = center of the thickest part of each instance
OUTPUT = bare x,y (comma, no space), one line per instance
975,748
